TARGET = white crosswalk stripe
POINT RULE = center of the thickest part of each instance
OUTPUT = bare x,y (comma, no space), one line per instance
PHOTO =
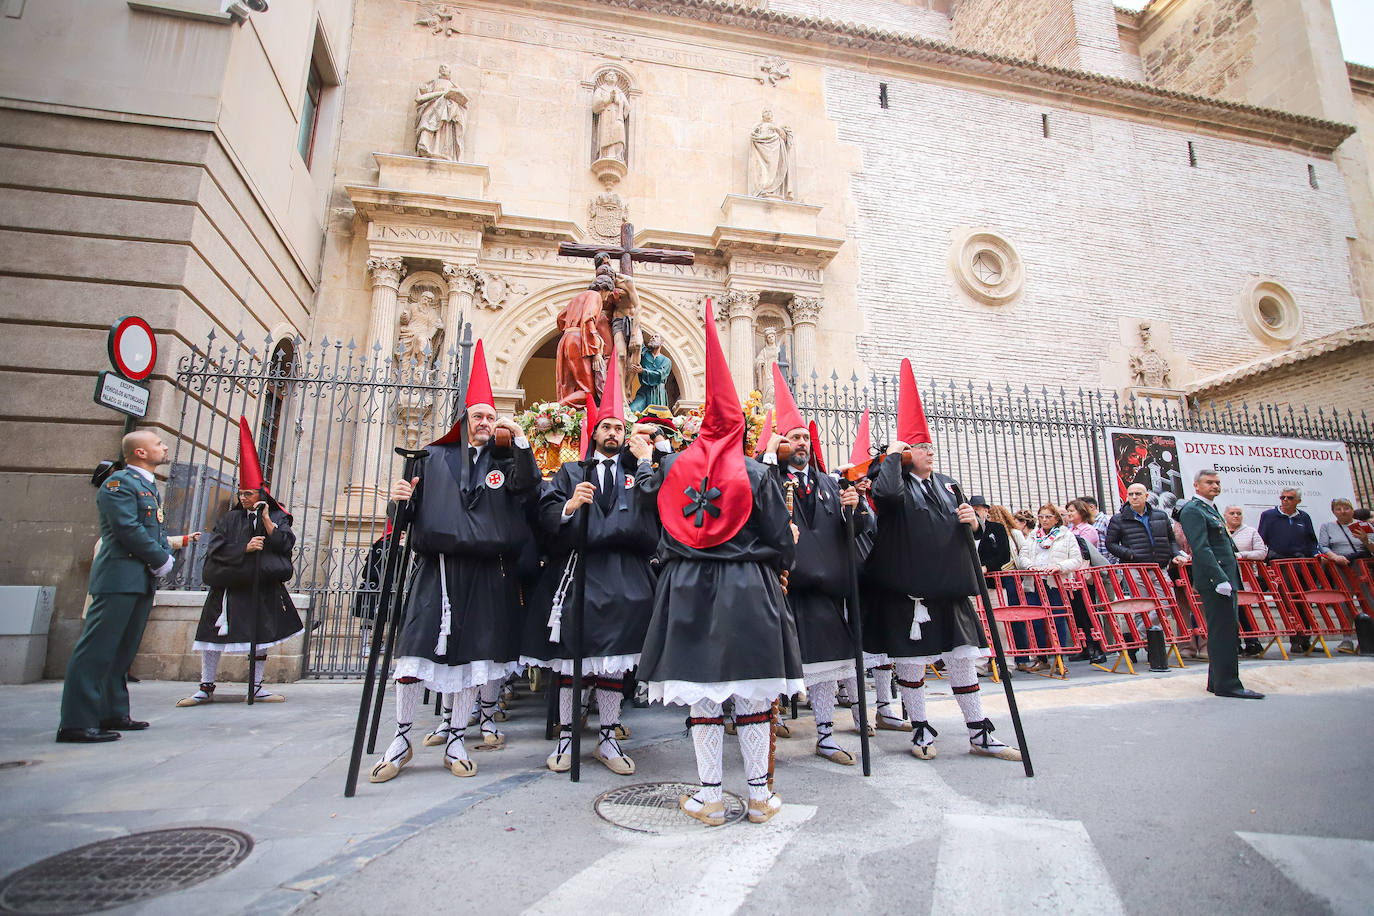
992,864
726,864
1341,872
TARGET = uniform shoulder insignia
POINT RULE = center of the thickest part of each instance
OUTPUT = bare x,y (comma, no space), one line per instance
112,484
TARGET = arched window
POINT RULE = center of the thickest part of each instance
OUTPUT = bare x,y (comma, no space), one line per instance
280,372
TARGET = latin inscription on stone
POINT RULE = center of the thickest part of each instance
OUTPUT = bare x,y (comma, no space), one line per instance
430,235
627,47
530,254
772,269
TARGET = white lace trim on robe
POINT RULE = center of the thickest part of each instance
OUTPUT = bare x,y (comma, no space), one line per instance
453,678
685,693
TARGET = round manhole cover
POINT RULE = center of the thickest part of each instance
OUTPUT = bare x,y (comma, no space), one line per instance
652,807
111,873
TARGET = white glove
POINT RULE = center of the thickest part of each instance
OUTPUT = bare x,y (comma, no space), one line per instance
166,567
1224,589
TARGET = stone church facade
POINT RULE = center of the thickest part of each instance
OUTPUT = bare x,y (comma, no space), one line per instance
1013,191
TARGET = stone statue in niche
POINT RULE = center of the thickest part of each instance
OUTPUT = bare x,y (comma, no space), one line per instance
441,116
763,365
771,160
1148,366
611,112
421,334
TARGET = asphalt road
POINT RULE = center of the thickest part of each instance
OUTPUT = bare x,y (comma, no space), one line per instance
1149,796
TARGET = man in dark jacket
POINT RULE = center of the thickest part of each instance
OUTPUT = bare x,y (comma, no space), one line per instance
994,544
1141,534
1289,534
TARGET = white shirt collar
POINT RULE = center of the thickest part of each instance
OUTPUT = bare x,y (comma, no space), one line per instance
1200,497
147,475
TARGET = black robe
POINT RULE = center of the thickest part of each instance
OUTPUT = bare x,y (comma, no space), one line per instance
919,551
368,593
620,581
229,569
819,582
477,533
719,613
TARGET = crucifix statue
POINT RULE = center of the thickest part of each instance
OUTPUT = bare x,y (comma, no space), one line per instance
604,316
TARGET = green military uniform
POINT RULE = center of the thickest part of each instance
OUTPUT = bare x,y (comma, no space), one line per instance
1214,562
132,545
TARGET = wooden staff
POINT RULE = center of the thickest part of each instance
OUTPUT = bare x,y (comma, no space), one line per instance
579,596
789,488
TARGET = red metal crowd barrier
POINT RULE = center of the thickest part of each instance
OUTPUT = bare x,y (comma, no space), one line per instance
1320,601
1021,599
1360,576
1260,607
1124,601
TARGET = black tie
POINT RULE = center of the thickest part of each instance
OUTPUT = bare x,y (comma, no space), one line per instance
605,497
929,486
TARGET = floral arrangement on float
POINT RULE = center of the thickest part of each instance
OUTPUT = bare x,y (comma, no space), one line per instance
554,431
755,416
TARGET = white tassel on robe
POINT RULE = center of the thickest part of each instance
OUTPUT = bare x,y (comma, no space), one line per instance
556,612
920,615
446,618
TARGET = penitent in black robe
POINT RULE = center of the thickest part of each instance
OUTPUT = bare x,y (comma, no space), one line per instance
620,579
920,550
721,626
476,533
819,582
228,572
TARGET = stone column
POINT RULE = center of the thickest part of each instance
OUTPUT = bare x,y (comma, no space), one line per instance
386,275
371,460
806,312
462,285
740,306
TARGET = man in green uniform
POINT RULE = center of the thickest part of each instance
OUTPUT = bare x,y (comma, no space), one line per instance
134,551
1216,577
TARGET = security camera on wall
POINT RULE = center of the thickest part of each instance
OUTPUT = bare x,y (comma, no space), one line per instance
240,9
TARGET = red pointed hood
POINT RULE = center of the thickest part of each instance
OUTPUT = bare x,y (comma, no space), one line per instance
250,469
706,498
860,454
584,442
478,392
613,397
479,382
789,417
817,456
765,433
911,416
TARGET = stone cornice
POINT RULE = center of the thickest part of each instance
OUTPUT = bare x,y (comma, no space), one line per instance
483,215
1321,346
1361,78
878,47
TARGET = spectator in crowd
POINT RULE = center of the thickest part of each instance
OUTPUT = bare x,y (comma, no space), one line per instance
994,542
1341,542
1099,520
1142,534
1289,534
1051,547
1287,530
1002,516
1249,546
1025,518
1078,518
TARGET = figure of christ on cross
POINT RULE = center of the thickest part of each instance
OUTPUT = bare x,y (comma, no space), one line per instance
581,357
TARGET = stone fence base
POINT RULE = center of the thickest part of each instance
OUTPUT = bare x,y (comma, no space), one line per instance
166,653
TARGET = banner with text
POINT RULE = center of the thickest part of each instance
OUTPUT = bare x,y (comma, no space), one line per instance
1253,469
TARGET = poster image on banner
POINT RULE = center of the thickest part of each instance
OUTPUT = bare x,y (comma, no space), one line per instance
1253,469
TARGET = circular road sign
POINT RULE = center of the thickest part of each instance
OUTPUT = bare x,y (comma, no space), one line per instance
133,348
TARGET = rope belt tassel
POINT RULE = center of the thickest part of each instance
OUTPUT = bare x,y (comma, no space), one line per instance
446,618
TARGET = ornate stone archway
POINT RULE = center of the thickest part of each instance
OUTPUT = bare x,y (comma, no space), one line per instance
524,327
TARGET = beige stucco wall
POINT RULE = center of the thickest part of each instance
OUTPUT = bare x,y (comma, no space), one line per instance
149,167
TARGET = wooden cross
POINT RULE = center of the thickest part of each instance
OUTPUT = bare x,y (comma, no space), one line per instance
627,253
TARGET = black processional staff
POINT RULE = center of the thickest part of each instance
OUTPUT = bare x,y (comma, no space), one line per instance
996,639
856,630
259,530
579,595
396,566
